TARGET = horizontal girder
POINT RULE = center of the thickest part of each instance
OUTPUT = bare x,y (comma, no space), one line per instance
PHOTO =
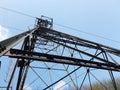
27,55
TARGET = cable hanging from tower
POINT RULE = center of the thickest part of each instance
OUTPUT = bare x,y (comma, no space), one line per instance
64,26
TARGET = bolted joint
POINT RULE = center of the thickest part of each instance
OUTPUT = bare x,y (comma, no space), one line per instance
21,63
2,48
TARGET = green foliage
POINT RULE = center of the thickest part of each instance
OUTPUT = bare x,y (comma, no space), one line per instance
104,85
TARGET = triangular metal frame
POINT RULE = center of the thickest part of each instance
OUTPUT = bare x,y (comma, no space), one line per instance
42,33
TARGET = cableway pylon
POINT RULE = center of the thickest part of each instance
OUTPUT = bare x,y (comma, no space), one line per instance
47,52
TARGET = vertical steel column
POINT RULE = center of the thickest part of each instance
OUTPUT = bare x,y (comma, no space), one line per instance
21,63
10,43
31,45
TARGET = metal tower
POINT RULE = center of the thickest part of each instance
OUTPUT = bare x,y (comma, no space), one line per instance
47,57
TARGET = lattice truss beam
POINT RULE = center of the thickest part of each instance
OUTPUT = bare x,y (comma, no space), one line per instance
47,51
79,55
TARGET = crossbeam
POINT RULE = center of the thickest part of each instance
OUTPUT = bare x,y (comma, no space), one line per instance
15,53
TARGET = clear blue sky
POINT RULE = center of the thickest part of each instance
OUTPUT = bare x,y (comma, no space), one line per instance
99,17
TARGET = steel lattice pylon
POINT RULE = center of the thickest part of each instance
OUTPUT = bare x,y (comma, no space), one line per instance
47,57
